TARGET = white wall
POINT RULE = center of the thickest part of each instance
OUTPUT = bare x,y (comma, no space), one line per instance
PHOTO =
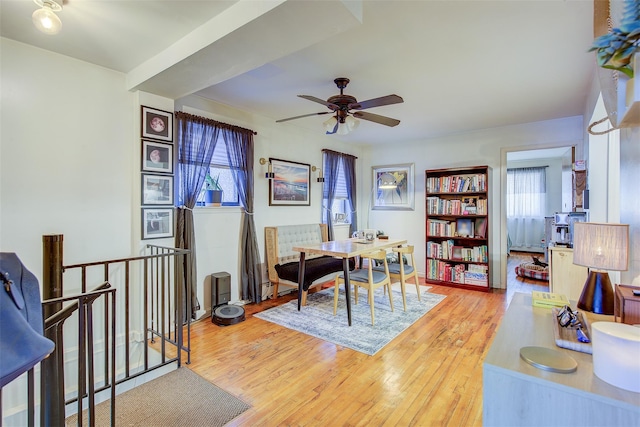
68,138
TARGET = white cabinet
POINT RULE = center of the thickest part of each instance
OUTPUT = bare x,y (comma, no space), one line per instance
516,393
565,277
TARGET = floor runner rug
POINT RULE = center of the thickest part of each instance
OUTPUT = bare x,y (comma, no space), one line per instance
317,319
179,398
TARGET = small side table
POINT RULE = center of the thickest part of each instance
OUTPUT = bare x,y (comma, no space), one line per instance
627,306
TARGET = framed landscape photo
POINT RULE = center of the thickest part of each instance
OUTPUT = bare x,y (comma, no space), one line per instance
290,183
157,157
157,124
157,189
393,187
157,223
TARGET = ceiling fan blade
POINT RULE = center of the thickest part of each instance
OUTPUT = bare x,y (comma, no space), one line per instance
304,115
334,107
388,121
376,102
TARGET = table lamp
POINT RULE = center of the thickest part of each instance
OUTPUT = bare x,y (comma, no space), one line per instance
600,247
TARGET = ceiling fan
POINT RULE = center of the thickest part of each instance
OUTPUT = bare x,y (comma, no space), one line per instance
343,122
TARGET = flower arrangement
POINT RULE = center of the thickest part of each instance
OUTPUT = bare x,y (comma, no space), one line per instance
615,49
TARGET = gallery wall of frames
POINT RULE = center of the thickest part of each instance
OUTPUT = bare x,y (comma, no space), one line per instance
157,173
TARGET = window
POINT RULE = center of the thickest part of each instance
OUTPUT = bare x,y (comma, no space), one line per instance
221,168
526,207
341,208
526,192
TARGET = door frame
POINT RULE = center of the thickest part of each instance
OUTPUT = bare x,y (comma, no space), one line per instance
503,196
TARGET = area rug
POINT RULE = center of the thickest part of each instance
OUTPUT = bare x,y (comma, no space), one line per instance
317,319
179,398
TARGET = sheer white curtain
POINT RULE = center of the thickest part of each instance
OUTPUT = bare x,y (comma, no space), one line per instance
526,207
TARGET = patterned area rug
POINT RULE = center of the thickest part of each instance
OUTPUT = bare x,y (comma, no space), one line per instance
179,398
317,319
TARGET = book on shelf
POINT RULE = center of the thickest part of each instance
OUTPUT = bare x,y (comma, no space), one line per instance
548,299
473,278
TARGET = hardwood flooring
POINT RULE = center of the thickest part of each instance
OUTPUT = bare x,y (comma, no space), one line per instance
430,375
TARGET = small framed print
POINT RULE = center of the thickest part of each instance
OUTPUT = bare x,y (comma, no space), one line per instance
157,124
290,183
157,157
157,223
157,189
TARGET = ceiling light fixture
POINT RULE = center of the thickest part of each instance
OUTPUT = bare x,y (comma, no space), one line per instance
45,18
330,124
340,124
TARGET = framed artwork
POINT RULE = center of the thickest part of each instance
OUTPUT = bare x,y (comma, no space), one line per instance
157,157
290,183
157,223
157,124
157,189
398,197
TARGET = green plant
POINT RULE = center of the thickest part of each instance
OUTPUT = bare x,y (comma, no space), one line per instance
212,183
615,49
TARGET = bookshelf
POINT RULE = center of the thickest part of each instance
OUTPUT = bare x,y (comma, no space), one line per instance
457,227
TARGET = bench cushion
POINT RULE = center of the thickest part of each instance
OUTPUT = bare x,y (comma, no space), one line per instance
314,269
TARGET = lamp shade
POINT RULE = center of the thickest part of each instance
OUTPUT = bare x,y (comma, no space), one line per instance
601,246
351,123
330,124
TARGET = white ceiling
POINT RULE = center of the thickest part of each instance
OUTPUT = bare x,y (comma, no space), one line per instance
459,65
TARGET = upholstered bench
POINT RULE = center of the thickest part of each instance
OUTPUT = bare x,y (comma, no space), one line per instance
533,271
283,262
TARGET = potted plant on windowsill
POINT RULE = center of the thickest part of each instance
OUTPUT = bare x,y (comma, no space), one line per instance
212,191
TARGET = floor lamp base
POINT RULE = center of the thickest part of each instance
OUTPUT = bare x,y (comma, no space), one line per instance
597,295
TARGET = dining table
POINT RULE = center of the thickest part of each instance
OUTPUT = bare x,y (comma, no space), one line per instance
345,249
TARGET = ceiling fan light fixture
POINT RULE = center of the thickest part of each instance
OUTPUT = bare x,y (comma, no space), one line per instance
352,123
330,123
343,129
45,18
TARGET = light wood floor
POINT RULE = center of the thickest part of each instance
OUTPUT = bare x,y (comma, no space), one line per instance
431,375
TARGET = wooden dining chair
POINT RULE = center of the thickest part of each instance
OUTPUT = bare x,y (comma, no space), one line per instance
399,271
368,278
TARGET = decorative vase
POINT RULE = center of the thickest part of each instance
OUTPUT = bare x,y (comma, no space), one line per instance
213,198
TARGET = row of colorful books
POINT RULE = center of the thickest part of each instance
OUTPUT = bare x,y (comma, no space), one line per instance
462,227
448,250
466,206
441,270
457,183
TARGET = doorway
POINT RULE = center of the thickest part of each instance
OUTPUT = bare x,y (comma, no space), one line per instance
559,184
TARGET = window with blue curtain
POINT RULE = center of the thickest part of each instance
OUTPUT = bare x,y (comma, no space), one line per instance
341,207
221,168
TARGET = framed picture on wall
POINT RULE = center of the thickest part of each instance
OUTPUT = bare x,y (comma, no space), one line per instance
157,223
157,124
290,183
393,187
157,189
157,157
